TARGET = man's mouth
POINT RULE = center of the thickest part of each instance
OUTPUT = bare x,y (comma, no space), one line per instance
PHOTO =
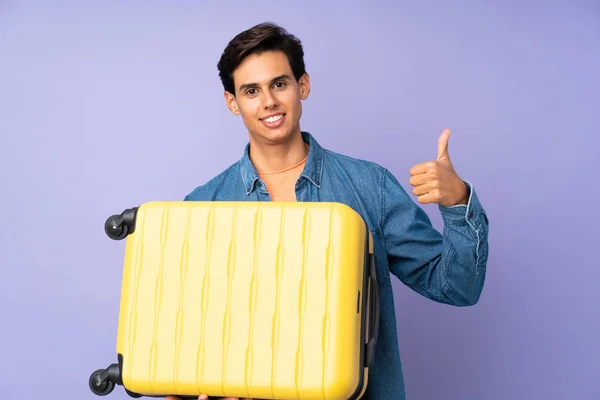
273,121
272,118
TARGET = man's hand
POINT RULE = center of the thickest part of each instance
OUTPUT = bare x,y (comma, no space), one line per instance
436,181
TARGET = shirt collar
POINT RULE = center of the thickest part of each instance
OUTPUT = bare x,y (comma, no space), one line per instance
313,169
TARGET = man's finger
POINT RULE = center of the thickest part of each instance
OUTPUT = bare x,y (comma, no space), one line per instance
425,188
422,168
420,190
420,179
443,145
429,197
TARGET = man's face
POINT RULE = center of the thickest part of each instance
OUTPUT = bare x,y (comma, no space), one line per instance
268,97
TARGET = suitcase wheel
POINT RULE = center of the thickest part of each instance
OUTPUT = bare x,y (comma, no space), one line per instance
115,228
132,394
99,386
118,226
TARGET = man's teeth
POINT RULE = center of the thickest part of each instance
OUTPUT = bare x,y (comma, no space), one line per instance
273,119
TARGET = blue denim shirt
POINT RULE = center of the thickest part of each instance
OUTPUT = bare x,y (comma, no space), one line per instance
448,268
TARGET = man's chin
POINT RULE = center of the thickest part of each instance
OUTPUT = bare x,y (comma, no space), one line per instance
274,136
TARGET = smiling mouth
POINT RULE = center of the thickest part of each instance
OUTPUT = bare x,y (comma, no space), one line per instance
273,118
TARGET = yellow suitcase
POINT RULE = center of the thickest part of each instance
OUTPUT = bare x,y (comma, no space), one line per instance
266,300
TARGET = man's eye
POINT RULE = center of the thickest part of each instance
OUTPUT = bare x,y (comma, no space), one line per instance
251,91
280,85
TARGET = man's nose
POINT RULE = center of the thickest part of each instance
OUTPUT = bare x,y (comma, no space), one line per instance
270,100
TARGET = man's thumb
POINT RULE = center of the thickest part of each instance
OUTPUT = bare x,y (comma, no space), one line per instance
443,144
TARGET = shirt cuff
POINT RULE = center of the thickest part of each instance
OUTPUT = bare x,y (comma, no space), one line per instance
463,212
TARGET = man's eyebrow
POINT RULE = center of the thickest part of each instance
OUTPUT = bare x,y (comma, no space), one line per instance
254,84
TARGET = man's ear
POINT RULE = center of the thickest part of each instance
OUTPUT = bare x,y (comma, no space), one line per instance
231,103
304,84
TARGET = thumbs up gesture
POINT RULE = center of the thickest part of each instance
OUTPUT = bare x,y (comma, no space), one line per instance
437,181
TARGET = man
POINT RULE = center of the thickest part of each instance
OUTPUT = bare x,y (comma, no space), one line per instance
265,82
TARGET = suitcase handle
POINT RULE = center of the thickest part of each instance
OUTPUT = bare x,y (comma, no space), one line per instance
373,312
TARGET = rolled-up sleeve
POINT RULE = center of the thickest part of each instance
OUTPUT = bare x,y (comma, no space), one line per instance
446,267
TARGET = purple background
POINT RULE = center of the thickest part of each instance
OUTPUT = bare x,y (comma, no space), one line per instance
105,105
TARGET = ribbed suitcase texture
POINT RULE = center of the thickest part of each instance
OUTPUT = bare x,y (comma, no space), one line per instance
264,300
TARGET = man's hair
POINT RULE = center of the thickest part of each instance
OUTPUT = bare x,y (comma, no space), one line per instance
259,38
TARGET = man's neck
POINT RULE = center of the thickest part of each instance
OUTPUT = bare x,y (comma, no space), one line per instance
268,158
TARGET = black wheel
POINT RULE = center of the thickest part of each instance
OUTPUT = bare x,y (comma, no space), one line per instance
115,228
98,387
132,394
